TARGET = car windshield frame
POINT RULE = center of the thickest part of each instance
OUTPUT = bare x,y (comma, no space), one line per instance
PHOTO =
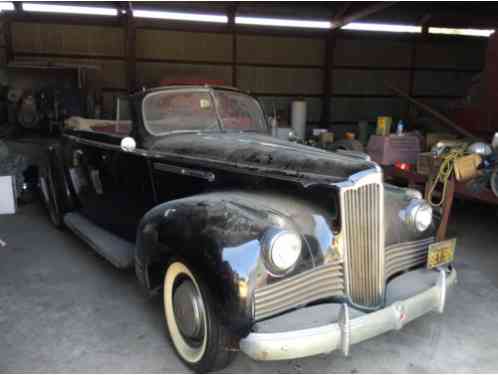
211,91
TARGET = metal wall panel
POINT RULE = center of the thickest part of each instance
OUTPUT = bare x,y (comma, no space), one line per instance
280,80
372,52
280,50
108,103
464,54
110,73
151,73
365,82
283,105
3,56
67,39
355,109
2,32
179,45
442,83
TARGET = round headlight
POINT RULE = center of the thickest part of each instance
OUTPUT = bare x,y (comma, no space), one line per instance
284,251
423,217
418,215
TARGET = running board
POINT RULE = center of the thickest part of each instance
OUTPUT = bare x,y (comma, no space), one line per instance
113,248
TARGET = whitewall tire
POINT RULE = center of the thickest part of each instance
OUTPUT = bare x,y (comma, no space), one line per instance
200,341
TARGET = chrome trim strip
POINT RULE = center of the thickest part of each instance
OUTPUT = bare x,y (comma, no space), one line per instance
406,255
209,176
321,282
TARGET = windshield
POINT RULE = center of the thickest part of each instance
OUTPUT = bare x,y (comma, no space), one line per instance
201,110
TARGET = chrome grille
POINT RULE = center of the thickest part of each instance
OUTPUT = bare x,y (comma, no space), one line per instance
321,282
362,205
403,256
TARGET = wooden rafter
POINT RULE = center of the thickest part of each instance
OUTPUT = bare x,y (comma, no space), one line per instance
367,11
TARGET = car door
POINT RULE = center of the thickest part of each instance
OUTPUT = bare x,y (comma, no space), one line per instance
112,186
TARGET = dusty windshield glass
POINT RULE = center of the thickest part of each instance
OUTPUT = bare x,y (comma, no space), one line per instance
239,112
203,110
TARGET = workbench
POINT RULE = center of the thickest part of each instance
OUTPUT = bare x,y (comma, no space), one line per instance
423,183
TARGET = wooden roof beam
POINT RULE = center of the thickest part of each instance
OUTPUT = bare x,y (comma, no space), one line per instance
365,12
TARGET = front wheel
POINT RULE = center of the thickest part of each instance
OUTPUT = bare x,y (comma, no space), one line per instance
198,337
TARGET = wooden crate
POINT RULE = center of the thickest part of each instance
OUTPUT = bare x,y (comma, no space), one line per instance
427,163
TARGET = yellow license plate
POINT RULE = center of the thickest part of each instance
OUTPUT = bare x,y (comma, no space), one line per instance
441,253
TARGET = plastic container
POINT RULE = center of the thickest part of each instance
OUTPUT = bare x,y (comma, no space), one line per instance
384,125
363,131
298,118
400,128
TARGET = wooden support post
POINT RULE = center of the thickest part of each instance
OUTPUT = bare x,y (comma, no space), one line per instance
446,207
7,32
130,49
328,67
231,25
413,62
447,204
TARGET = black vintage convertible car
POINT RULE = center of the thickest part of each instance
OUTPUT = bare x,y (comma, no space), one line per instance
269,247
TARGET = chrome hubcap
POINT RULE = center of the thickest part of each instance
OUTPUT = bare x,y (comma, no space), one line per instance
189,310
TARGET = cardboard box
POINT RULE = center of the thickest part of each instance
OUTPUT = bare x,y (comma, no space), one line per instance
8,201
394,148
427,164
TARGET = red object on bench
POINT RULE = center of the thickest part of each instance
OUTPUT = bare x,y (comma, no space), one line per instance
191,82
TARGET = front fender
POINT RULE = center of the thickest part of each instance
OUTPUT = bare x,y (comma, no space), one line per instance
396,231
221,239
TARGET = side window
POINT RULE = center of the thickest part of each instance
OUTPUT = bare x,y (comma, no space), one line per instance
119,126
123,110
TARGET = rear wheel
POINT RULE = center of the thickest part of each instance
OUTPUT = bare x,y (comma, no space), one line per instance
49,196
199,339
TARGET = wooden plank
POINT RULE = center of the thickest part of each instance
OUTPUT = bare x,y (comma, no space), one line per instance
447,204
445,120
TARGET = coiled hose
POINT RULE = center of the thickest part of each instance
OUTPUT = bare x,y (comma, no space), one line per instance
444,173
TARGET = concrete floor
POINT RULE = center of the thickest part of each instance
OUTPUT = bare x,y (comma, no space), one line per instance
63,308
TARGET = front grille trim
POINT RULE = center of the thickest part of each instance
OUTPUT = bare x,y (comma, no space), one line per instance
406,255
322,282
362,222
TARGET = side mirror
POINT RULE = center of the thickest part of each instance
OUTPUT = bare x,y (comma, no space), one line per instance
292,137
128,144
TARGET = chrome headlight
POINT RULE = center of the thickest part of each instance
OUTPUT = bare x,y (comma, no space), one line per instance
418,215
284,250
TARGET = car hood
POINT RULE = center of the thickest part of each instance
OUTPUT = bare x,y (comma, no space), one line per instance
250,150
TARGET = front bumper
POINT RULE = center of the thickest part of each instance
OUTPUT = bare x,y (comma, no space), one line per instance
346,330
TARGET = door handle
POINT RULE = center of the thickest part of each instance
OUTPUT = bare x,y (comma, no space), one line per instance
77,154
